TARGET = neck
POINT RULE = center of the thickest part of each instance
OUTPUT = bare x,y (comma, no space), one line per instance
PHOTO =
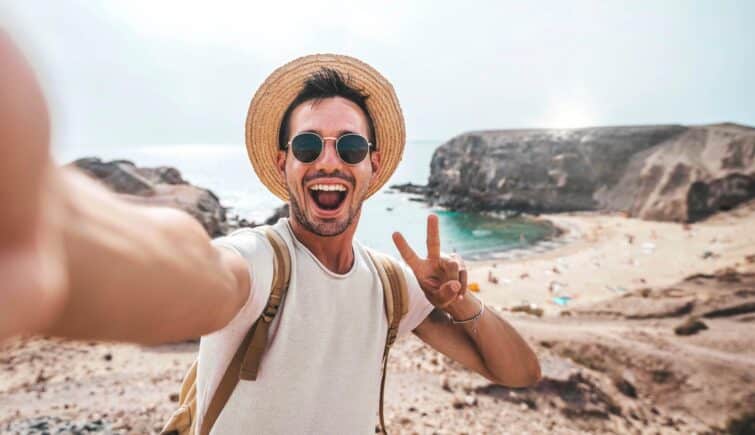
334,252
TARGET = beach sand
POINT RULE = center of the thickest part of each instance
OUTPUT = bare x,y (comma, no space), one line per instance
610,254
611,360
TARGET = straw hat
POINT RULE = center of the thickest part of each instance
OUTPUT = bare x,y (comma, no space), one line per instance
279,90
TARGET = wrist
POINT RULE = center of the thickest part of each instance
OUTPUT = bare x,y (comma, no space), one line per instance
465,308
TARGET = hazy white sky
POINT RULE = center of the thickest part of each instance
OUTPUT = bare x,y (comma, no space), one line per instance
168,72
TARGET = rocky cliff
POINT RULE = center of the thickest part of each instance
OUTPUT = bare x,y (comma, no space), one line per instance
163,186
665,172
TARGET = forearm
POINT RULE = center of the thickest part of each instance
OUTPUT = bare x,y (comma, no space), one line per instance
504,352
137,273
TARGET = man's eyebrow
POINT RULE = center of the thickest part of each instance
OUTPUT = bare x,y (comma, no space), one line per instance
339,134
342,132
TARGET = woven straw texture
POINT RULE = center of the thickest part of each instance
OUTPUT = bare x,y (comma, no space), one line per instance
278,91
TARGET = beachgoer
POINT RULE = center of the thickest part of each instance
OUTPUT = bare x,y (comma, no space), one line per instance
324,132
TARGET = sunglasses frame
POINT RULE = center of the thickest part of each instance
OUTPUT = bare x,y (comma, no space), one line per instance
370,146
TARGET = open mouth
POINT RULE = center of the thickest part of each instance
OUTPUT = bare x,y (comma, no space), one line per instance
328,197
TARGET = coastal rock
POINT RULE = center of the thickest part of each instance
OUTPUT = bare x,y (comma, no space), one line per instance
531,309
691,326
121,176
162,175
665,172
280,212
161,186
416,189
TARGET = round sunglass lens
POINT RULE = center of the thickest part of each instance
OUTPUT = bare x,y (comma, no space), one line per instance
353,148
306,147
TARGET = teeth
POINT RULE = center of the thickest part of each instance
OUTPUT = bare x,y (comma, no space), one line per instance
328,187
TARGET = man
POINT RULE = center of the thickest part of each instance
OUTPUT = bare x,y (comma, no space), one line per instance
324,132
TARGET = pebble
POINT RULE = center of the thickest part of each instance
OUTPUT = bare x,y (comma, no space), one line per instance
444,383
58,426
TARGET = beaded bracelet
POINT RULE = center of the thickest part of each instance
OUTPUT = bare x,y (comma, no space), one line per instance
471,319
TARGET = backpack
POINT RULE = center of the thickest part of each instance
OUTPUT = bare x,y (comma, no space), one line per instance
245,363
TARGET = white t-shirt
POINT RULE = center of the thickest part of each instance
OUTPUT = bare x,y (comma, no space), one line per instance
320,373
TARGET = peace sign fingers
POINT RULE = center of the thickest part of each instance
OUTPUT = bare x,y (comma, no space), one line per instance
442,278
406,251
433,244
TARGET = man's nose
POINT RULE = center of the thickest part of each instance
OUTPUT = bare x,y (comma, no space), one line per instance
329,161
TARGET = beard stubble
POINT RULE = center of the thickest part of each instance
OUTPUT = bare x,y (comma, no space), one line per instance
323,229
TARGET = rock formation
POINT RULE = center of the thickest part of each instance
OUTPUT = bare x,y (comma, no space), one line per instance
280,212
665,172
162,186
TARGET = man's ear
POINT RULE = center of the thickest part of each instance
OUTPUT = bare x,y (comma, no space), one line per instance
375,162
281,163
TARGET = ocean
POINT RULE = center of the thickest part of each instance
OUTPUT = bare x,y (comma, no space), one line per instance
225,169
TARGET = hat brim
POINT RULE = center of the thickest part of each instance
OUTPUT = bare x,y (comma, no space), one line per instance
279,90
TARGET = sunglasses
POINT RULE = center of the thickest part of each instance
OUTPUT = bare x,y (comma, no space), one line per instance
352,148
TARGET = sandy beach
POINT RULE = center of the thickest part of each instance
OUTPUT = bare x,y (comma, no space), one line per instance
609,254
611,360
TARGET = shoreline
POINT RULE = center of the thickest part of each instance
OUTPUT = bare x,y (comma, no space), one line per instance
564,233
510,251
604,255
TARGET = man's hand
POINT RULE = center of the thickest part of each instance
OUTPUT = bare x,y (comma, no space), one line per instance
33,282
442,278
488,345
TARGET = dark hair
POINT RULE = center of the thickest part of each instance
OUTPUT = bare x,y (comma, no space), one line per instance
326,83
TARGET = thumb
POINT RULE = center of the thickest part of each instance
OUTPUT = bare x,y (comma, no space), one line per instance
448,292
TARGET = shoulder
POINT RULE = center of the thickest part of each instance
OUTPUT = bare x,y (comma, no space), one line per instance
257,254
245,241
254,245
418,306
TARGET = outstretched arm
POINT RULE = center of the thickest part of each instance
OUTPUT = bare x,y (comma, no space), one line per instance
486,343
77,261
140,273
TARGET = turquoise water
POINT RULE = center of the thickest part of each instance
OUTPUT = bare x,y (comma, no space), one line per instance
225,169
475,233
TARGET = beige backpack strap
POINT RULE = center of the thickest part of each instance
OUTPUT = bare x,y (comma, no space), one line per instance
282,272
396,306
180,421
246,360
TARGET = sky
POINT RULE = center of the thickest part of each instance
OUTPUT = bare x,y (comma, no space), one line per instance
183,72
